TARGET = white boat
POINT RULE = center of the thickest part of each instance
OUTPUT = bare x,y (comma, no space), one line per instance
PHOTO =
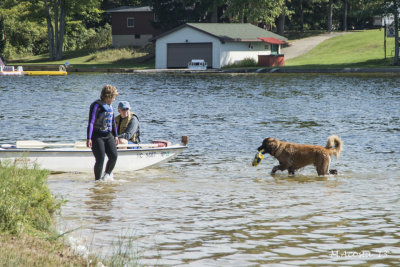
77,158
197,64
11,71
19,71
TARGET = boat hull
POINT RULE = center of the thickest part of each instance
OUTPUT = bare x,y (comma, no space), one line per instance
82,160
11,73
32,73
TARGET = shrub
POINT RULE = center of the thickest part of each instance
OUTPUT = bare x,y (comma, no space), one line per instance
26,205
244,63
100,39
76,36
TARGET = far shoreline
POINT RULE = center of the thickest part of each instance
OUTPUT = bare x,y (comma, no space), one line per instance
261,69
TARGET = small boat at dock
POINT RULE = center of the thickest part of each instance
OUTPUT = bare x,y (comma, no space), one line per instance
11,71
19,71
76,157
197,64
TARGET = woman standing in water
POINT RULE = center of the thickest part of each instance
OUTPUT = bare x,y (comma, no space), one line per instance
102,135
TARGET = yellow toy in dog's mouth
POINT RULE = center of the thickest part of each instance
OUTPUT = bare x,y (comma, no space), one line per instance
258,158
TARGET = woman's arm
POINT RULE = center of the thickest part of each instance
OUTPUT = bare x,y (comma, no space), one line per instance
92,118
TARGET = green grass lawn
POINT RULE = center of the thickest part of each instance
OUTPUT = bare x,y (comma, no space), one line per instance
355,49
107,58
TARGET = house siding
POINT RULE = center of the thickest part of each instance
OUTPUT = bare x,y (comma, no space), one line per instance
129,40
234,52
122,35
185,35
142,23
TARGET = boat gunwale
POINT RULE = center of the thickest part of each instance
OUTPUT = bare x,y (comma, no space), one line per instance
44,150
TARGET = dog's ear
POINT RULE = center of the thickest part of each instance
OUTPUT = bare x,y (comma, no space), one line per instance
271,142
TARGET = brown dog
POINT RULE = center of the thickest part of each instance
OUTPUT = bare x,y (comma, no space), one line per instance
293,156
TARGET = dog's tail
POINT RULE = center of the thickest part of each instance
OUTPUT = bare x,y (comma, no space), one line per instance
335,145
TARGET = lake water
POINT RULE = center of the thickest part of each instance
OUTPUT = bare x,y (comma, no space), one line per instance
209,206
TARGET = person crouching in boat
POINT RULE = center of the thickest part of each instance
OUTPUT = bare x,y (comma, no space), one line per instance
127,124
102,134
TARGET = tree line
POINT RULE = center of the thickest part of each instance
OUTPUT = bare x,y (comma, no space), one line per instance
32,27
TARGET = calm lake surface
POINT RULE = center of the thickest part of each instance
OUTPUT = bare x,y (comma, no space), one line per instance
209,206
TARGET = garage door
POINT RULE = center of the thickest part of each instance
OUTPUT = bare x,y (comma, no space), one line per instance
178,55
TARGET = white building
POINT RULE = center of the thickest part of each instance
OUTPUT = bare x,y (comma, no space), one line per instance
219,44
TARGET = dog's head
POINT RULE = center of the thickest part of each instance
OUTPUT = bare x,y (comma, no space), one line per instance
270,145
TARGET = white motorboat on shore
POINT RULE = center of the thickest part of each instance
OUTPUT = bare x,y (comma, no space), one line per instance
76,157
197,64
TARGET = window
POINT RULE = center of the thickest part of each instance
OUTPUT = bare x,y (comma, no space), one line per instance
131,22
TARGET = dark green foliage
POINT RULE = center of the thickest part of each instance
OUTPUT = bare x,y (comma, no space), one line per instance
167,20
78,37
2,36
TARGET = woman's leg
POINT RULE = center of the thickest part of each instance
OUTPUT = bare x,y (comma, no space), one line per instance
98,149
112,154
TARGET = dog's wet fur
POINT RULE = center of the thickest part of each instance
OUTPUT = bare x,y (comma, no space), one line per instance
292,156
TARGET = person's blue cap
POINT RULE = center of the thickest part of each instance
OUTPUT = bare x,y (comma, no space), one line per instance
124,105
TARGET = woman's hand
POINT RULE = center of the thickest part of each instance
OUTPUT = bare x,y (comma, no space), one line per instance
89,143
116,141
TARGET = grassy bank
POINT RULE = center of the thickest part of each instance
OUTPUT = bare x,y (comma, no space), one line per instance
27,228
27,234
358,49
137,58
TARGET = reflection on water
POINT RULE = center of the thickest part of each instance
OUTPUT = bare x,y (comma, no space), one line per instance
101,200
178,219
210,207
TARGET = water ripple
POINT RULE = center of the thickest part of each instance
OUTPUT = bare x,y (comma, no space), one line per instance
209,207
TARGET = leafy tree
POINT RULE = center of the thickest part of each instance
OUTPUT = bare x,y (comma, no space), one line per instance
255,11
108,4
24,34
57,12
170,13
2,36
